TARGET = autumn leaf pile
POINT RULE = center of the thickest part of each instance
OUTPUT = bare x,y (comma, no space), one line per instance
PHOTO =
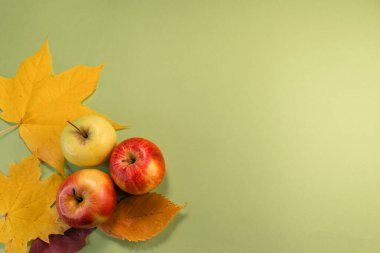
39,104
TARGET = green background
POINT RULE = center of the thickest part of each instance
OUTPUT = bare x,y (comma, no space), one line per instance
268,112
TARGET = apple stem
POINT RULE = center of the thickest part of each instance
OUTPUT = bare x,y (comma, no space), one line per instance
77,198
131,159
83,133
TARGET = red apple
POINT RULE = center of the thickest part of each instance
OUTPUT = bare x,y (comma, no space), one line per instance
86,198
137,166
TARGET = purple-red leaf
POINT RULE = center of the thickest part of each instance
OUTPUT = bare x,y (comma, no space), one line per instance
71,242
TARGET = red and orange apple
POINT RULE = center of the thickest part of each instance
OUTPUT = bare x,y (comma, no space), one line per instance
137,165
86,198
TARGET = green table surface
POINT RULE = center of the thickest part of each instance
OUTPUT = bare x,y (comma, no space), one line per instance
268,112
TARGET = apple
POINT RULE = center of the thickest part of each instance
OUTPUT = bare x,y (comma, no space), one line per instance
137,166
86,198
88,141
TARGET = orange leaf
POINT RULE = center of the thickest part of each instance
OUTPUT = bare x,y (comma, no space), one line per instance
138,218
41,103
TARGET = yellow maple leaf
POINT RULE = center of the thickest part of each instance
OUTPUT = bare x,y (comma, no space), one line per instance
25,206
41,103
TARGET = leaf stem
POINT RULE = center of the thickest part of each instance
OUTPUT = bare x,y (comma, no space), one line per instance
6,130
83,133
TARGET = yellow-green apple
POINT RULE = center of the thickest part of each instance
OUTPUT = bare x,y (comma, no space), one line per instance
86,198
137,165
88,141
